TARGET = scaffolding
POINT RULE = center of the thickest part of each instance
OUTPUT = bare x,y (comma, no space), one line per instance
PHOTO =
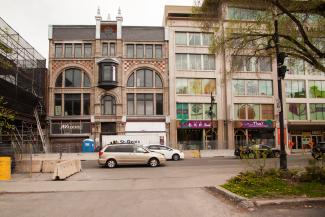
23,85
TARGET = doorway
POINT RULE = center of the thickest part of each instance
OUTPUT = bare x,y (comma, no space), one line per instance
240,138
297,142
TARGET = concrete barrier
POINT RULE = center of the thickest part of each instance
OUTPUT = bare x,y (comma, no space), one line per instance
48,166
218,153
26,166
191,154
65,169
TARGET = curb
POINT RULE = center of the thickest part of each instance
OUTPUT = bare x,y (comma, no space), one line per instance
252,204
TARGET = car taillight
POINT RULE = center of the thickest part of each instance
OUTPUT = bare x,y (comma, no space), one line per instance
100,153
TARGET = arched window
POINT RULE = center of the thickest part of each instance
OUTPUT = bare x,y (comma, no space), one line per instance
108,105
72,78
144,78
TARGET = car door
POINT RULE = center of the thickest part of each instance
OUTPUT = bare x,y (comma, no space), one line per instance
168,152
123,154
140,155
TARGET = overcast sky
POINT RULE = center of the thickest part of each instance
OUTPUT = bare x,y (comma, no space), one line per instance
30,18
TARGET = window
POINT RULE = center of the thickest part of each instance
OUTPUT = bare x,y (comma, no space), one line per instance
77,50
112,49
108,105
195,39
207,39
295,89
209,62
149,51
159,104
182,111
58,82
317,89
158,82
68,50
265,88
181,61
195,86
86,80
140,51
181,38
235,13
72,103
251,64
130,103
105,49
195,61
130,50
58,50
88,51
254,112
196,111
57,104
317,111
144,104
252,87
158,51
295,66
72,78
144,78
265,64
86,104
131,81
108,72
297,111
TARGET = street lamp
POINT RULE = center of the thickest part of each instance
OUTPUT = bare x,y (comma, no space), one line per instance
211,115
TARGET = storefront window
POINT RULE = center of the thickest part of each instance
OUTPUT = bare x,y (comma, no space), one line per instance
182,111
317,111
253,111
196,111
207,111
297,111
240,111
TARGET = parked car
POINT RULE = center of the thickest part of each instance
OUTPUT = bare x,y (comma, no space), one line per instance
128,154
168,152
256,151
318,151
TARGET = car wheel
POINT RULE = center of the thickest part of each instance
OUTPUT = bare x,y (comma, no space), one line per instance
153,162
317,155
111,163
276,154
176,157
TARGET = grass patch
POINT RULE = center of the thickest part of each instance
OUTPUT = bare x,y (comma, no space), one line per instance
274,183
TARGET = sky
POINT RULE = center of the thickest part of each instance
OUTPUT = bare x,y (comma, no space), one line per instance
31,18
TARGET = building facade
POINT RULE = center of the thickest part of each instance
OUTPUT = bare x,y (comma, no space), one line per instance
106,79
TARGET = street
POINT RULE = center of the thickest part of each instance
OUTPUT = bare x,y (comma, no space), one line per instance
173,190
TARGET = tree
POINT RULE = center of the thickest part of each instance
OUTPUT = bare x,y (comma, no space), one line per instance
301,28
7,117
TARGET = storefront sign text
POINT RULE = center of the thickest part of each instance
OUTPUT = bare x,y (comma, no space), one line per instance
256,124
195,124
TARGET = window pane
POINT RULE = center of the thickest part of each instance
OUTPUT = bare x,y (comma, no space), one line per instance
72,78
182,111
58,50
107,74
86,80
207,39
72,103
207,111
57,104
195,86
78,50
68,50
297,111
149,104
158,51
131,81
158,81
87,50
108,105
208,62
130,50
140,78
209,86
267,112
253,111
239,87
149,51
159,104
265,64
262,88
140,104
194,39
252,87
130,99
86,103
237,63
112,49
181,86
181,61
196,111
139,50
148,78
240,111
105,49
195,61
181,38
58,82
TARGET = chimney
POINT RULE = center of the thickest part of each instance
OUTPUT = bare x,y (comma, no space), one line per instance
119,20
98,18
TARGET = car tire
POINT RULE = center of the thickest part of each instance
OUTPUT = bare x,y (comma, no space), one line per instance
153,162
111,163
176,157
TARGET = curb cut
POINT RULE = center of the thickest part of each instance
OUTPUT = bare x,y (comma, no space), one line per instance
252,204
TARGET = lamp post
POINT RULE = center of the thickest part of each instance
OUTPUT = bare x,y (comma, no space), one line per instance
281,69
211,115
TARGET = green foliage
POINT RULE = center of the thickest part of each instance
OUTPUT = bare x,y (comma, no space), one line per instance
7,117
315,172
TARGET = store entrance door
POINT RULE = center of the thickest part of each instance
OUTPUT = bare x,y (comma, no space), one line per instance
316,139
240,138
297,142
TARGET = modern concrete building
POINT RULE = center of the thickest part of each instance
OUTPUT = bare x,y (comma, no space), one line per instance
106,79
244,88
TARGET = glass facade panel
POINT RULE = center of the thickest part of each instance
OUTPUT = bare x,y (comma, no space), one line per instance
140,78
149,51
317,89
195,61
139,51
181,86
207,39
267,112
158,51
181,38
158,82
182,111
88,50
194,38
209,62
253,111
252,87
140,104
295,89
195,86
68,50
240,111
131,81
108,105
196,111
181,61
209,86
112,49
297,111
317,111
58,50
239,87
265,64
72,78
148,78
129,50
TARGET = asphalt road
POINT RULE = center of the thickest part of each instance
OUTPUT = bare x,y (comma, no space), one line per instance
173,190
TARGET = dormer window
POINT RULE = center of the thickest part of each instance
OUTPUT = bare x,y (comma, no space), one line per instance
108,73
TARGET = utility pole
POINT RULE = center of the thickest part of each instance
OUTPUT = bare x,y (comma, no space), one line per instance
281,70
211,115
